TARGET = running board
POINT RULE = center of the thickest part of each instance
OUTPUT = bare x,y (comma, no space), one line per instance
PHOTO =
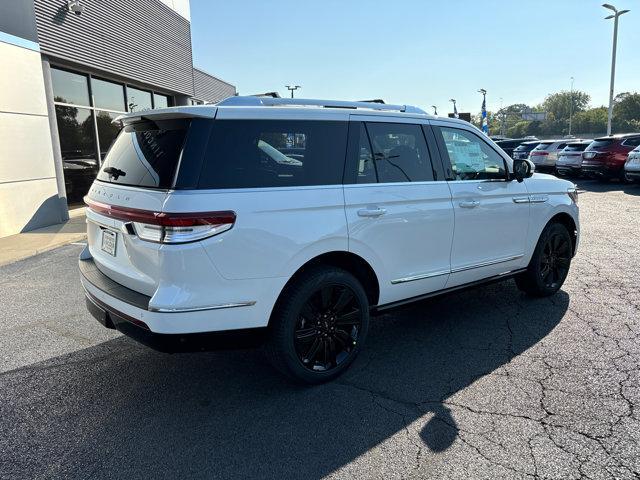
484,281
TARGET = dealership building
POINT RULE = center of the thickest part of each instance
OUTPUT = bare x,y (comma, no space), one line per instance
67,69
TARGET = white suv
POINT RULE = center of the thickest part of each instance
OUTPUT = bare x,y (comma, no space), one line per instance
291,220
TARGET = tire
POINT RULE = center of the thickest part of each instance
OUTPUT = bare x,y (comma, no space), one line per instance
549,264
319,325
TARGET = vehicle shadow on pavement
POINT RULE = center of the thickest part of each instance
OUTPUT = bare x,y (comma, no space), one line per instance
596,186
120,410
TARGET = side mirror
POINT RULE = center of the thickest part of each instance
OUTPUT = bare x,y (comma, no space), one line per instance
522,169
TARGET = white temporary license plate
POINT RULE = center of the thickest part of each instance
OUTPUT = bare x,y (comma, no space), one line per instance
109,240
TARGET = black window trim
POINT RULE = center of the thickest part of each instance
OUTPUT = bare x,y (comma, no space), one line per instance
446,161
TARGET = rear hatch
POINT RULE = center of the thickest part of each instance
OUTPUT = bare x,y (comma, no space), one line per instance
152,154
572,153
598,150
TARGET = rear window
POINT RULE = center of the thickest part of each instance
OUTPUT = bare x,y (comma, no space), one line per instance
543,146
576,147
527,146
145,154
273,153
601,143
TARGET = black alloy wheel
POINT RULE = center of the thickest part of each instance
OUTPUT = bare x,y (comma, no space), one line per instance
328,326
319,325
550,262
555,260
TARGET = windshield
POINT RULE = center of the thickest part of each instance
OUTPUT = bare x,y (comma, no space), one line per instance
145,154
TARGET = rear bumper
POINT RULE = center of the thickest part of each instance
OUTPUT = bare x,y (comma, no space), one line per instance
568,169
601,169
116,306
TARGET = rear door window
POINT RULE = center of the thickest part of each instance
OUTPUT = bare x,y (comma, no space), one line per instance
274,153
392,153
632,142
145,154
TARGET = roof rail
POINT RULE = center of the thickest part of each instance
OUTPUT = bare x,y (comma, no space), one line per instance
242,101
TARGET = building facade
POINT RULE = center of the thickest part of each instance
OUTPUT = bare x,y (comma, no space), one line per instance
68,68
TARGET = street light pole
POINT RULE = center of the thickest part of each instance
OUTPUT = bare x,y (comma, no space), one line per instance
571,106
455,110
292,88
615,17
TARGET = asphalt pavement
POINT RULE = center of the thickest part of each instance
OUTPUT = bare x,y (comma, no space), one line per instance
484,383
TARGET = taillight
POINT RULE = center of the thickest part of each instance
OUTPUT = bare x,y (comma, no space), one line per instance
540,153
165,227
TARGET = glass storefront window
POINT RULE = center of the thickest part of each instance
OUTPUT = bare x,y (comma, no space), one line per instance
138,100
70,87
107,95
160,101
78,146
107,130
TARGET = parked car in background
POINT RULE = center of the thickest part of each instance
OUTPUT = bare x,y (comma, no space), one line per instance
510,144
545,155
522,151
570,159
201,225
632,165
606,156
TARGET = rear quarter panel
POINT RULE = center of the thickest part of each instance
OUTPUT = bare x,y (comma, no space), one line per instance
276,231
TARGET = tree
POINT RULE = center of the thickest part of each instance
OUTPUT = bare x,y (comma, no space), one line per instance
592,121
559,105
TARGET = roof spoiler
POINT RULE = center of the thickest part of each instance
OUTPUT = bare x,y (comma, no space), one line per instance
200,111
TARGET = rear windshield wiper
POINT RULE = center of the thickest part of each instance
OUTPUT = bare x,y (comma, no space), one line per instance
114,172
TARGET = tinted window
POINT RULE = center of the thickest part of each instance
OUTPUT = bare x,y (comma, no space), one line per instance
632,142
543,146
160,101
273,153
576,147
107,95
600,143
471,157
399,154
138,100
77,135
366,166
70,87
107,130
525,147
145,154
561,146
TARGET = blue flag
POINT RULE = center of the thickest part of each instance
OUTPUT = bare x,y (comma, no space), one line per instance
485,121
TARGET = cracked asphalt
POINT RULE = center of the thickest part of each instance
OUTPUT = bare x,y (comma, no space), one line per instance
484,383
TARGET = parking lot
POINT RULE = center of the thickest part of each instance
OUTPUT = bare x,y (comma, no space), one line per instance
484,383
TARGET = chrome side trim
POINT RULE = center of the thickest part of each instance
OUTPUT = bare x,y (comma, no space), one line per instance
200,309
487,263
422,276
538,198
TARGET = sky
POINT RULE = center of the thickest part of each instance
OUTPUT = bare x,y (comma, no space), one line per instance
416,52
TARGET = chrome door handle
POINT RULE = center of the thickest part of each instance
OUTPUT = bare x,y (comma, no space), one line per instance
371,212
521,199
470,204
